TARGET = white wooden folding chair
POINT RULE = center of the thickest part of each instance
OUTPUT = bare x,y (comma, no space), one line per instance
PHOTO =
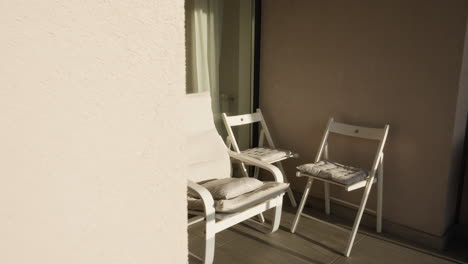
271,154
207,158
320,171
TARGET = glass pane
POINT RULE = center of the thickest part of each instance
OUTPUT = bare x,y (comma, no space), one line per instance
219,57
236,64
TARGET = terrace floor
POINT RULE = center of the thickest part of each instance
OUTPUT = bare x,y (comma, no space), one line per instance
313,242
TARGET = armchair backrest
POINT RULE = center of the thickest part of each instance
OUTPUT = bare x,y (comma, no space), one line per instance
204,148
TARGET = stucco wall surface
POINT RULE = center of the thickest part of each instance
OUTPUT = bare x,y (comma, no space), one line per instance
89,138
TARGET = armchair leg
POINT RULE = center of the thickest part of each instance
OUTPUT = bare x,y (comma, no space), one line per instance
210,234
301,205
209,248
277,220
357,221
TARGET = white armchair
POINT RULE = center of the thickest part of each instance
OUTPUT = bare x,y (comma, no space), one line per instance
209,158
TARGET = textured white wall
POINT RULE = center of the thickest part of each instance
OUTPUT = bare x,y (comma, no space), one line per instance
89,136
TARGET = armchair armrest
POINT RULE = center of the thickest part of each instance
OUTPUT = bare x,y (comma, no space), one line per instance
205,196
261,164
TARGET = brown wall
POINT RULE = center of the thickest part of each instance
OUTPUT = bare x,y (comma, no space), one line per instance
370,63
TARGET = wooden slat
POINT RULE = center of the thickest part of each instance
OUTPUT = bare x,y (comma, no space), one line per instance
239,120
357,131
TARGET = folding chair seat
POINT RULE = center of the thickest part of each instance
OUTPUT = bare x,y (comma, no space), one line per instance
269,154
347,177
333,171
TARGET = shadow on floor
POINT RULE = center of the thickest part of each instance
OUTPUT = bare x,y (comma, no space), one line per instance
313,242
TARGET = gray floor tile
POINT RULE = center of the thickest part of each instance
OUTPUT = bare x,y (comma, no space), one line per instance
312,232
221,238
197,239
316,245
372,250
253,250
313,242
288,243
248,250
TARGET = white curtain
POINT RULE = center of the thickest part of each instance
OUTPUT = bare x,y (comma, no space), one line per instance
206,23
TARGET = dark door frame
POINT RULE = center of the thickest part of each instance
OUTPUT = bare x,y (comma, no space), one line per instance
256,66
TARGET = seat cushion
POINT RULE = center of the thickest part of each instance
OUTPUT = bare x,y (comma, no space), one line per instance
267,191
229,188
267,154
334,171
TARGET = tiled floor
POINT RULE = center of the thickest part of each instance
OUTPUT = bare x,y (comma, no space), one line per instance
313,242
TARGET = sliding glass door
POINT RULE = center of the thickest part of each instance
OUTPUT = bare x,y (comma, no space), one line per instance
220,57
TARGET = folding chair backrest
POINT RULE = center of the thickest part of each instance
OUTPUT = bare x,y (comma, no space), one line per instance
378,134
357,131
204,148
246,119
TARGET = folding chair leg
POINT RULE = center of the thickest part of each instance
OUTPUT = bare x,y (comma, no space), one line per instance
327,197
357,221
379,197
289,191
256,172
261,218
244,169
301,205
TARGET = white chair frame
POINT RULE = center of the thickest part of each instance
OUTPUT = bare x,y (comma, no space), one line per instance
376,169
231,142
217,222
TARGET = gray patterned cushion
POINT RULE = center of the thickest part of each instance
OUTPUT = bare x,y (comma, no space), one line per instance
334,171
267,191
229,188
267,154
